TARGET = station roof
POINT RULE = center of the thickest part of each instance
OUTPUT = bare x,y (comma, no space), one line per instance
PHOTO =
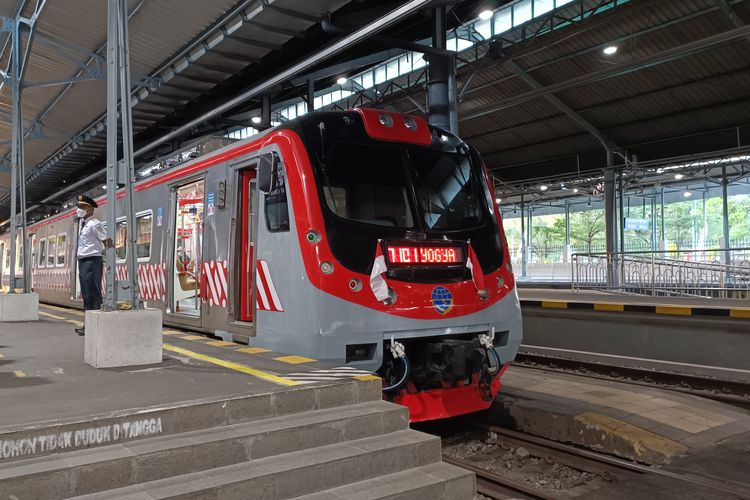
537,95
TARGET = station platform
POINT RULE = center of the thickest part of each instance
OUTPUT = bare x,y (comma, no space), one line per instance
632,421
214,419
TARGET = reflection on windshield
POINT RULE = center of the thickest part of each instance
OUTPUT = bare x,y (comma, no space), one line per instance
371,184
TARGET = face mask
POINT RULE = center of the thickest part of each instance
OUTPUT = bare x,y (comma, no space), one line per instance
80,213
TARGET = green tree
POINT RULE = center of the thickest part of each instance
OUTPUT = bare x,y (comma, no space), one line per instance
544,240
587,228
678,222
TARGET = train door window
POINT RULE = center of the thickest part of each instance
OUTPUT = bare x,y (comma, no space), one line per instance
121,234
19,255
143,241
277,205
51,250
247,246
188,247
42,252
2,263
62,247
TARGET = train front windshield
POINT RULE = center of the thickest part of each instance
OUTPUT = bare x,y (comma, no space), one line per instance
372,190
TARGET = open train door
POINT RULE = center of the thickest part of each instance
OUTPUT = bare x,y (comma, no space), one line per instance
247,244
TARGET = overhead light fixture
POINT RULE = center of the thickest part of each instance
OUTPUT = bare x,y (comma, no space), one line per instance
687,194
499,200
104,186
575,190
679,176
256,119
610,50
543,187
342,80
485,14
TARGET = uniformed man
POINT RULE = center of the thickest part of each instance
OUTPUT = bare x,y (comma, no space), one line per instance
92,239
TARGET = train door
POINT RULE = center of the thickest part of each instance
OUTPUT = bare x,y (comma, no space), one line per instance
247,221
188,250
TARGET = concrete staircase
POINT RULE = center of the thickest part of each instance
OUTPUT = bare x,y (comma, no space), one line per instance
322,442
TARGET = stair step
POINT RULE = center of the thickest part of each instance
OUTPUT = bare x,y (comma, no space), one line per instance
437,481
114,466
294,474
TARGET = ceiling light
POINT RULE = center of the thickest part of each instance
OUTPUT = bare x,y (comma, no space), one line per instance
543,187
499,200
256,119
485,14
609,50
575,190
341,80
104,186
687,194
679,176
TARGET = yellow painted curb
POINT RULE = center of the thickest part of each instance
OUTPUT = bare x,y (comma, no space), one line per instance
270,377
739,313
219,343
674,310
193,337
367,377
253,350
638,438
554,305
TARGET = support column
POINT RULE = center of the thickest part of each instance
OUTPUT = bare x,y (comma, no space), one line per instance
523,239
610,220
663,239
310,95
654,232
441,86
132,336
567,251
726,257
13,306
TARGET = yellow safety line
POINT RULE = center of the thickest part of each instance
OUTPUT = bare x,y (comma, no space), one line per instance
194,337
609,307
19,374
233,366
219,343
739,313
252,350
294,360
367,377
62,309
554,305
674,311
172,332
2,355
60,318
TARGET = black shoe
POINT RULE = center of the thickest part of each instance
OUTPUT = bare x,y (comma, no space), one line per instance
81,331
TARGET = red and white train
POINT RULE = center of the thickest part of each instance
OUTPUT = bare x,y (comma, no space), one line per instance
362,237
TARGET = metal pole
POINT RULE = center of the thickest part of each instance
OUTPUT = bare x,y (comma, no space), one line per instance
654,232
530,230
16,131
725,213
126,116
310,95
610,220
441,86
567,232
112,90
621,219
25,251
523,240
663,241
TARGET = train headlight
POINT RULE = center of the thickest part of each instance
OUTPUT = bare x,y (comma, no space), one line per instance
326,267
410,123
385,120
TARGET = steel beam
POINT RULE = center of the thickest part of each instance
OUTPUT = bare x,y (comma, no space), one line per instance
617,70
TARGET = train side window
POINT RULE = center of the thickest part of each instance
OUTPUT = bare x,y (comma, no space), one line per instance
62,247
2,254
43,252
277,204
51,250
143,242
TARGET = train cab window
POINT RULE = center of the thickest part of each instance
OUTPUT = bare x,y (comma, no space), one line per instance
42,253
62,248
51,250
277,204
370,189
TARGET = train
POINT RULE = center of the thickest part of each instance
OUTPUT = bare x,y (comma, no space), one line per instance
364,238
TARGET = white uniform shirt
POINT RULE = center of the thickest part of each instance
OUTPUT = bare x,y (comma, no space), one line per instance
91,238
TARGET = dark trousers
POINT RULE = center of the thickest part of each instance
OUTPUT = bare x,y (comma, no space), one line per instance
90,276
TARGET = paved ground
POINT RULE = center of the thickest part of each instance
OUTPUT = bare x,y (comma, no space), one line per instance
43,376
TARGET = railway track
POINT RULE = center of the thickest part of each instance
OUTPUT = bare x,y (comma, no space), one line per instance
609,469
735,393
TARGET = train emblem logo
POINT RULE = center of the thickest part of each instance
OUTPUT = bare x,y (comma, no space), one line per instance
442,300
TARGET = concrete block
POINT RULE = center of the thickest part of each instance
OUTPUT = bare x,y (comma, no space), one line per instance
123,338
19,307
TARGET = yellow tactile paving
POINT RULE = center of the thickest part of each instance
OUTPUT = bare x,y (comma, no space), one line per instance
193,337
609,307
740,313
172,332
550,304
294,360
19,374
219,343
253,350
270,377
